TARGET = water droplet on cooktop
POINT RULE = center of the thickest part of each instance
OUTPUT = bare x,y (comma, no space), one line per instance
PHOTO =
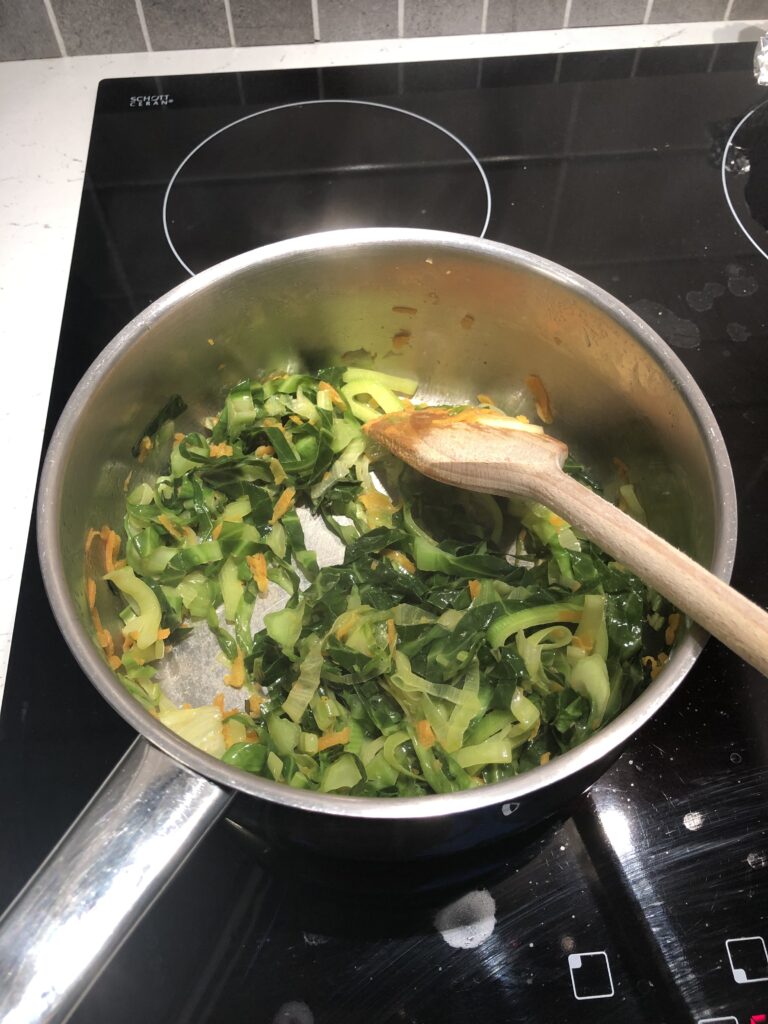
469,921
317,166
294,1013
693,820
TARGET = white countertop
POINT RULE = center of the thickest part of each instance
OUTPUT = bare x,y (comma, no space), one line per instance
46,107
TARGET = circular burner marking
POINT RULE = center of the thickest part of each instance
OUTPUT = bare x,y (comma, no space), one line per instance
308,103
724,178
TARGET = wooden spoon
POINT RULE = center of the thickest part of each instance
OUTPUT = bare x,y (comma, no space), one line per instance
485,451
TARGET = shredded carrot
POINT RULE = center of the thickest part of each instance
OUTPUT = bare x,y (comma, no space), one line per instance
296,419
219,451
282,504
258,565
278,473
348,623
400,559
216,531
230,712
376,501
544,759
218,702
671,631
334,394
178,437
251,736
582,644
186,706
264,450
424,733
474,588
391,634
103,636
557,521
89,539
332,739
407,404
254,704
163,634
190,534
127,482
90,589
376,506
541,398
655,664
114,662
522,419
621,467
170,527
236,677
111,548
145,447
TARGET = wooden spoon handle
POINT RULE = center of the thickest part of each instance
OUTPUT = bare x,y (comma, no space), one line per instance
739,623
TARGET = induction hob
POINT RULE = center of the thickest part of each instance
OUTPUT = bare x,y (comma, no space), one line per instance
648,900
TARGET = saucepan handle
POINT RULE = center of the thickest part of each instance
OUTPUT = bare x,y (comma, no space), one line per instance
94,887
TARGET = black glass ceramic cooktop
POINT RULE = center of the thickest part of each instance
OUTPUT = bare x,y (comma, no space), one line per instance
648,900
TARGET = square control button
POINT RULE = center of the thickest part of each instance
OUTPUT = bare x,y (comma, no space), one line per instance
591,975
748,958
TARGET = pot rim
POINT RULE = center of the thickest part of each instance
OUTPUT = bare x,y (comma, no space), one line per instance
510,791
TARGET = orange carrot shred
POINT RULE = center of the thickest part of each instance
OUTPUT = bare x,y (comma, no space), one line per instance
111,548
216,531
334,394
90,589
541,398
425,733
391,634
332,739
671,631
236,676
145,447
282,504
170,527
258,565
218,701
264,450
163,634
219,451
90,538
474,588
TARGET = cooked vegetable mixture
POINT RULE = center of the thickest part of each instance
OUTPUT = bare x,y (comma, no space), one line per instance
463,639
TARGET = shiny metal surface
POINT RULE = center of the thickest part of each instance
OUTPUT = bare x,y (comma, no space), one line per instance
82,903
482,317
93,888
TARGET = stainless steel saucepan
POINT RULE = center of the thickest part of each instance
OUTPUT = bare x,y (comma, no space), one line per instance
481,318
